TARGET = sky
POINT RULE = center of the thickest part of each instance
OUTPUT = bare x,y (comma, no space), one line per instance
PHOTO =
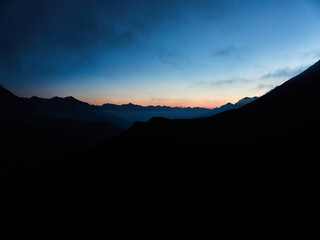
155,52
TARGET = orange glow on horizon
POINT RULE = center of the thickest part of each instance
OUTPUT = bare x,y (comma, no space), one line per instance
210,104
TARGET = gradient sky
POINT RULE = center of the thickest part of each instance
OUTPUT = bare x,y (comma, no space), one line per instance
178,53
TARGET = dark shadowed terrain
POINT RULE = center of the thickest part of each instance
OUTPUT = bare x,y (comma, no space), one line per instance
29,134
247,173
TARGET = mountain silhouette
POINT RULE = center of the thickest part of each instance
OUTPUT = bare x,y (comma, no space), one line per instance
245,101
245,173
13,107
36,126
235,175
230,106
28,134
123,115
132,112
279,119
71,108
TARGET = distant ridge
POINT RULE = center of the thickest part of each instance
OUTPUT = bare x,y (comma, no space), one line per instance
133,112
126,114
136,107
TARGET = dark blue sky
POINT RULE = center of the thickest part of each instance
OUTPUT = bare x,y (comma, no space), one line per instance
182,53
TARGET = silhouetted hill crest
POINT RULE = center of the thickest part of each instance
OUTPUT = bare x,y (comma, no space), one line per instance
18,109
285,120
297,94
72,108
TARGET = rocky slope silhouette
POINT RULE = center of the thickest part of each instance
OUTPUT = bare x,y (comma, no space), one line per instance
242,174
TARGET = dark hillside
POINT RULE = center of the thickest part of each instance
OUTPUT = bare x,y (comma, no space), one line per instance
28,134
242,174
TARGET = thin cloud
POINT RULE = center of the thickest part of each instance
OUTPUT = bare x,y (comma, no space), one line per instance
284,72
225,51
265,86
173,57
230,50
311,54
220,83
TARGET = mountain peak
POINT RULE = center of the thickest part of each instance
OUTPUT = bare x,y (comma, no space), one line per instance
71,98
245,101
56,97
34,97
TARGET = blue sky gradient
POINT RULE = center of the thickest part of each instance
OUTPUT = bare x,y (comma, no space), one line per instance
178,53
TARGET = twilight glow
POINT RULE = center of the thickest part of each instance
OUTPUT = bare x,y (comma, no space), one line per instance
178,53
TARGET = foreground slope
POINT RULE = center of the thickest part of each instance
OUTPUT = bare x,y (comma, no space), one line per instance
242,174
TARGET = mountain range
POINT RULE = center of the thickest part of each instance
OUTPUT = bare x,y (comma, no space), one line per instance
71,108
60,126
245,173
280,118
124,115
28,133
